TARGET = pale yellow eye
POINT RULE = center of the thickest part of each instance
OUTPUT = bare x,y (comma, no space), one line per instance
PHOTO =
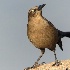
32,10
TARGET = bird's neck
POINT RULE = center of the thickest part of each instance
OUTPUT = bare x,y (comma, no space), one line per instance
31,18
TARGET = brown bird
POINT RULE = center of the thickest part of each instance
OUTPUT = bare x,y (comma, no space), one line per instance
42,33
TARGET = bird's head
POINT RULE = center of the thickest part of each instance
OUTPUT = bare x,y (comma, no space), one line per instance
35,11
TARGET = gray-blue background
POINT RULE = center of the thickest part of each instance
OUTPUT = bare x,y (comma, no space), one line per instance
16,52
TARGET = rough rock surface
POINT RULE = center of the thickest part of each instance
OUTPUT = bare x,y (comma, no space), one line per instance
64,66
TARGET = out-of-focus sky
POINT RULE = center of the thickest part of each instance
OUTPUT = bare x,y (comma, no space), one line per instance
16,52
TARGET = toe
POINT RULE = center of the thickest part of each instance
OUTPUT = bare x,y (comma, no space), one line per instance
57,63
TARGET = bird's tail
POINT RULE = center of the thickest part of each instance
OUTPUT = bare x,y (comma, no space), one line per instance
64,34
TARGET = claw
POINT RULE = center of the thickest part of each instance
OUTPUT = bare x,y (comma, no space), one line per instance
36,65
57,63
43,63
27,68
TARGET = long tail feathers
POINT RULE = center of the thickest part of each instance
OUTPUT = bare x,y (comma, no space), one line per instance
64,34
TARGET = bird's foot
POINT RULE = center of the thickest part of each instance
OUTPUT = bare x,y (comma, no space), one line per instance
42,63
32,67
28,68
35,65
57,63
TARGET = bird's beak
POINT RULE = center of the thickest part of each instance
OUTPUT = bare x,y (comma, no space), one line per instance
41,6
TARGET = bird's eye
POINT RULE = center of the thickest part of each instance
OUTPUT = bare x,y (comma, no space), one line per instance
33,10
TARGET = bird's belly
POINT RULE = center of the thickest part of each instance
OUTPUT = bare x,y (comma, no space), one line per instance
44,38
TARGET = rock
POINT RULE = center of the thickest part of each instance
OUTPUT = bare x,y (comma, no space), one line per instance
65,65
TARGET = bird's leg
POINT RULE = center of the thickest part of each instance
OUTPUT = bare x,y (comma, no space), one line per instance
36,63
55,57
57,63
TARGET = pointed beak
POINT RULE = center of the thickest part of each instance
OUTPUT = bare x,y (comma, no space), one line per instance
41,6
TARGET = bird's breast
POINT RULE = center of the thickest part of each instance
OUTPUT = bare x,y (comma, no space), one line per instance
42,35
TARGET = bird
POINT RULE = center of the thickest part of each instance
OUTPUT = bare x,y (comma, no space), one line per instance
43,34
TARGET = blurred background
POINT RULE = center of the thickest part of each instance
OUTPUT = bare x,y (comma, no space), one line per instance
16,51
